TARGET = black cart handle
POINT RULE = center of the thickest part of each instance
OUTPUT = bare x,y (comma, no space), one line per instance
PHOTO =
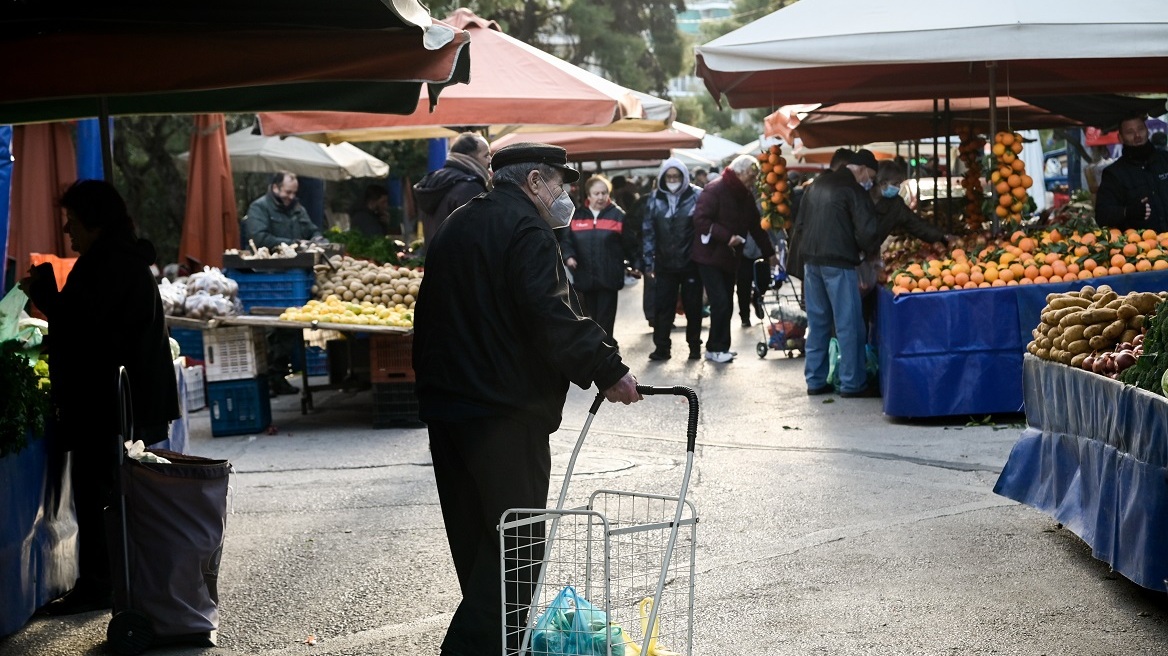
691,431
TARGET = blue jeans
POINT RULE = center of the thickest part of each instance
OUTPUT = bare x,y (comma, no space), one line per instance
832,296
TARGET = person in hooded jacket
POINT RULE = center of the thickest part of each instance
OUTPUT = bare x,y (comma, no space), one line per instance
597,249
1134,189
91,336
667,240
464,176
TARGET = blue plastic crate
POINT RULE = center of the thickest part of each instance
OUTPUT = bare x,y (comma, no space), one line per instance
286,289
190,342
317,361
239,407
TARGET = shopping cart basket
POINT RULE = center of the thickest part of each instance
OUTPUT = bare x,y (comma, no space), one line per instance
166,528
784,319
629,555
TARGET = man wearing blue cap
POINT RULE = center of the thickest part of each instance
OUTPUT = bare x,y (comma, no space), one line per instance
499,336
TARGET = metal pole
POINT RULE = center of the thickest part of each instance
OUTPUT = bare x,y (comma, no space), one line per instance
107,152
948,166
995,221
937,166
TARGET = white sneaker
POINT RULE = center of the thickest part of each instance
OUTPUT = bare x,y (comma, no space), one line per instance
719,356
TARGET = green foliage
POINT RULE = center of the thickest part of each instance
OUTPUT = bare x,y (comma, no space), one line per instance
1148,371
23,404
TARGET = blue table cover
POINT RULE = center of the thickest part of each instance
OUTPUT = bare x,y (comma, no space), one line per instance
960,352
38,534
1094,456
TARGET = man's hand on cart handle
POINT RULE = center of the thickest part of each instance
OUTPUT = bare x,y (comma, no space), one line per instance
624,391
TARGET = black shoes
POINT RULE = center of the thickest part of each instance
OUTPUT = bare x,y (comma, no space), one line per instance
281,386
871,392
77,601
695,352
746,323
659,355
820,391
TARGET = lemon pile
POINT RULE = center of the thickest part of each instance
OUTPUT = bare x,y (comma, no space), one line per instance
334,310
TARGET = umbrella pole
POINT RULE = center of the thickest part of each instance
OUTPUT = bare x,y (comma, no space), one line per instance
948,165
937,167
107,164
993,68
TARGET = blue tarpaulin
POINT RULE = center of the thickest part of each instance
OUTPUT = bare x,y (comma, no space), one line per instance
960,352
1094,456
89,165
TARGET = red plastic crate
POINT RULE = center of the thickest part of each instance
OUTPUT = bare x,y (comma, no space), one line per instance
391,358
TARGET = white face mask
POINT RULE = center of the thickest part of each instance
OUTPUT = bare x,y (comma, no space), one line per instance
673,186
561,210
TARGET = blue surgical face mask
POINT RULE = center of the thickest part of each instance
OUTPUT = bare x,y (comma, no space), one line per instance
890,192
867,184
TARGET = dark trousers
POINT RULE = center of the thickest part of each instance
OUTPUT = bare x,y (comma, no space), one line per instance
600,306
719,285
744,287
482,468
92,475
665,291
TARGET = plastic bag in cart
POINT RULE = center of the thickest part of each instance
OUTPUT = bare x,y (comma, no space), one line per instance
573,626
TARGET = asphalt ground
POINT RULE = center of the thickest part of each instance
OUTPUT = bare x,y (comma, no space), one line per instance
825,527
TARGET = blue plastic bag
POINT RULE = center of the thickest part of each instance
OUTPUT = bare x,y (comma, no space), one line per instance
573,627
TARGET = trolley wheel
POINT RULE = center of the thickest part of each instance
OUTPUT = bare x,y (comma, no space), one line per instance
130,632
761,349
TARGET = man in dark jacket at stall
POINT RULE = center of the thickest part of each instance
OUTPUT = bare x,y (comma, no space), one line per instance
667,241
277,217
1134,189
371,217
463,177
498,339
726,212
838,223
90,336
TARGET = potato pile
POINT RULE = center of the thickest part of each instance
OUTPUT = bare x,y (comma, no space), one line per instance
360,280
1077,324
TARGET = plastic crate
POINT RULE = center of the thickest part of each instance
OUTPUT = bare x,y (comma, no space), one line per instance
316,361
394,404
391,359
196,390
234,353
239,407
291,288
190,342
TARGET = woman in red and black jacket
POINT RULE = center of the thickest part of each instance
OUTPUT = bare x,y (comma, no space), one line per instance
597,248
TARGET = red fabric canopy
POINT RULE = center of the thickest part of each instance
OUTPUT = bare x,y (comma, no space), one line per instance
211,222
45,166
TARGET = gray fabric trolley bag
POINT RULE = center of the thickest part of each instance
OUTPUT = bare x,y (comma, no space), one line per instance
165,528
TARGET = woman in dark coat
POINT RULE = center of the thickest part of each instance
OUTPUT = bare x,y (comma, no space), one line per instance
108,315
597,247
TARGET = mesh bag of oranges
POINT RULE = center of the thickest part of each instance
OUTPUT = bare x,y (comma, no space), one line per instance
774,191
1011,198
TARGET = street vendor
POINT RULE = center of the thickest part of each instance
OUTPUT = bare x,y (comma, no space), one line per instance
1134,190
277,217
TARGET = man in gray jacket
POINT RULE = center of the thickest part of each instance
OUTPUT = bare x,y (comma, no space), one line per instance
838,223
277,217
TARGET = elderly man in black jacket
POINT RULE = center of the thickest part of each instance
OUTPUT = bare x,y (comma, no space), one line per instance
838,223
463,177
1134,190
499,337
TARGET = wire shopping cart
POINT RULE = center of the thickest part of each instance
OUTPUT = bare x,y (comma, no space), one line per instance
629,557
783,313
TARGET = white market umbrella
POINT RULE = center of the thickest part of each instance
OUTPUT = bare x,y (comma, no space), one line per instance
827,51
253,153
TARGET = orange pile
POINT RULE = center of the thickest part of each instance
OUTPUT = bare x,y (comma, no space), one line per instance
1008,179
971,149
774,191
1044,257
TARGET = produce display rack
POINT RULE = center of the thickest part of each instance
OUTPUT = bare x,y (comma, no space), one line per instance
307,389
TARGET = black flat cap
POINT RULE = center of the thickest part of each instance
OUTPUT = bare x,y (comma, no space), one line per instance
864,157
535,153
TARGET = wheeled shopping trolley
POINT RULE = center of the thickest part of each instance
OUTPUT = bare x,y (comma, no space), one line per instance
165,527
613,577
777,302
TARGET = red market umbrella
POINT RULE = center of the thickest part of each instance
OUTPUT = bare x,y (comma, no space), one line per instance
45,165
830,51
210,223
512,86
588,146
